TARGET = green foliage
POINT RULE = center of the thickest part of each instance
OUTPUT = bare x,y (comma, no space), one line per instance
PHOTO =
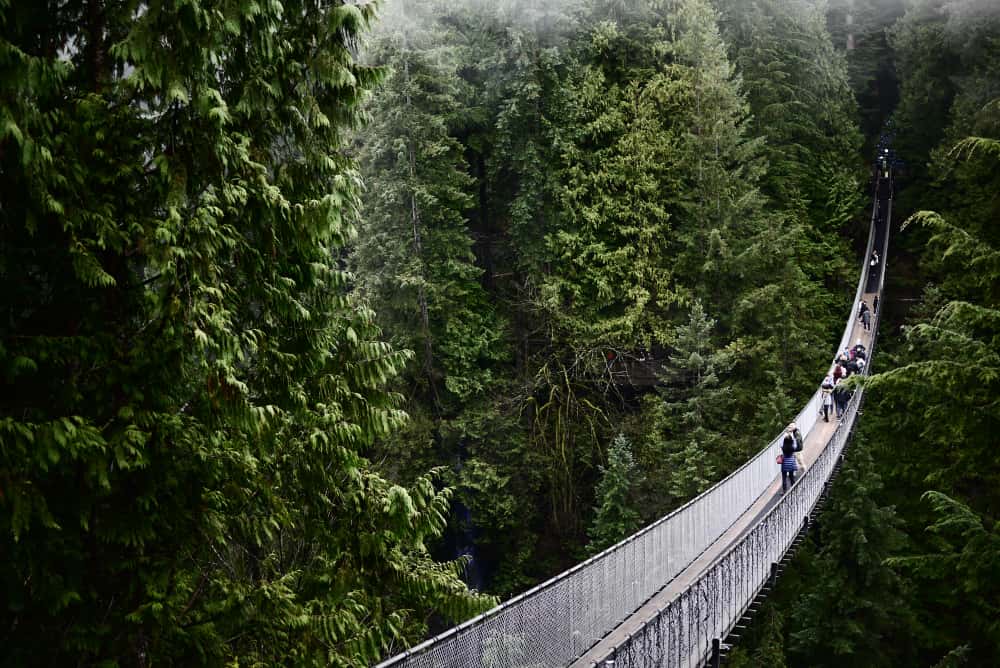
687,449
860,31
615,518
955,658
415,248
602,162
947,61
966,551
182,465
855,603
770,652
797,89
768,646
946,391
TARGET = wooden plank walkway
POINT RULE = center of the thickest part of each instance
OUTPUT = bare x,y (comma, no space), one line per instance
815,441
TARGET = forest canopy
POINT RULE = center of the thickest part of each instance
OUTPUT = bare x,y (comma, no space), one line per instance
328,324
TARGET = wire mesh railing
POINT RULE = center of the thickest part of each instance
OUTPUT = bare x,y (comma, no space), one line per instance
557,621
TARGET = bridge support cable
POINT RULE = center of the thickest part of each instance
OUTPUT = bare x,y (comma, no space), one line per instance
558,621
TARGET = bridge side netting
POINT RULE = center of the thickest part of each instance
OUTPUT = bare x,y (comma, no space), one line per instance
557,621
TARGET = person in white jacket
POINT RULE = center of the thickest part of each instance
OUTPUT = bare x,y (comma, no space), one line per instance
827,388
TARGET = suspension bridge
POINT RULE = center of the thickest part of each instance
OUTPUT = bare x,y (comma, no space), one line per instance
678,592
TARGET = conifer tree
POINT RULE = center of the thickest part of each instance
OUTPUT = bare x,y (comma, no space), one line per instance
854,603
860,31
797,88
741,258
688,449
415,252
944,413
616,517
469,416
183,465
924,62
771,650
607,245
934,412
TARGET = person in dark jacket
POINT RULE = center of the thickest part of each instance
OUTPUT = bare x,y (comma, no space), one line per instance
789,446
840,397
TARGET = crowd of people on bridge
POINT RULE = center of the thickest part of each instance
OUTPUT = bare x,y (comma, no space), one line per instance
834,398
835,393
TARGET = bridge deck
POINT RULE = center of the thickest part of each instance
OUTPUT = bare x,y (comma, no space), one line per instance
815,441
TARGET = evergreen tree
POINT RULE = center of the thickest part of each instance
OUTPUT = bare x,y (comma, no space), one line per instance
606,247
770,651
966,555
615,518
943,417
934,411
183,469
855,604
747,262
797,88
924,63
687,449
415,251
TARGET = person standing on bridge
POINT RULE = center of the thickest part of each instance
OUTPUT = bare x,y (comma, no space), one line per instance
840,396
797,434
827,389
789,446
800,443
866,317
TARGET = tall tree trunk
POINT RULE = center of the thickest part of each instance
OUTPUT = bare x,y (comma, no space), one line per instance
95,49
425,323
